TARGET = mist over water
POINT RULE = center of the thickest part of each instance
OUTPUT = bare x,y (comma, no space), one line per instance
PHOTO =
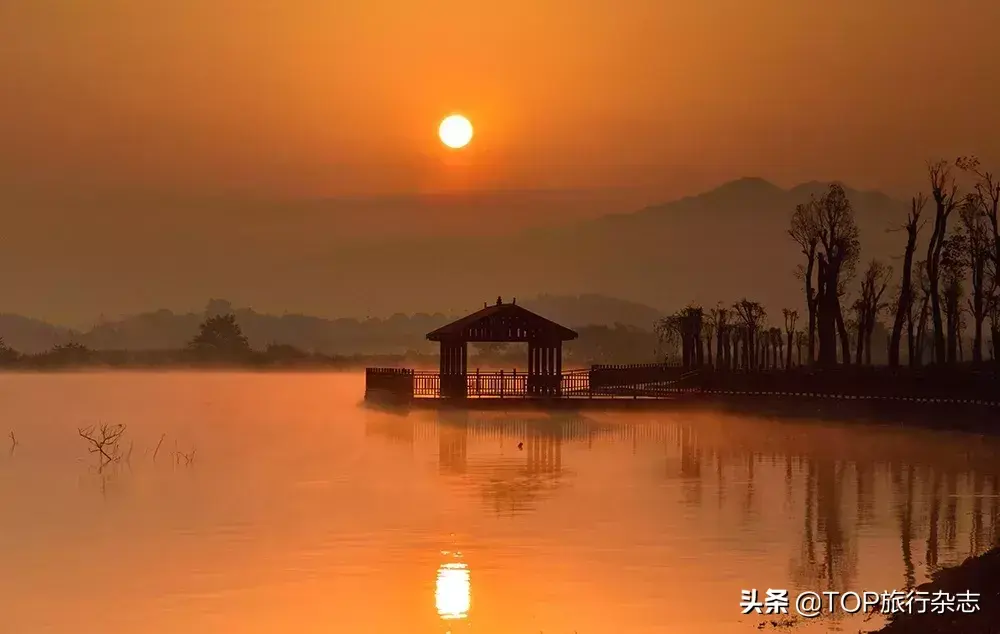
303,511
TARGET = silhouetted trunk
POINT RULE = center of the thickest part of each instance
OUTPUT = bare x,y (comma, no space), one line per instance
911,338
727,355
861,340
905,300
826,317
788,354
720,330
933,278
977,341
921,332
952,319
845,342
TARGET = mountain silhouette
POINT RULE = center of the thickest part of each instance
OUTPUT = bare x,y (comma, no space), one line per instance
717,246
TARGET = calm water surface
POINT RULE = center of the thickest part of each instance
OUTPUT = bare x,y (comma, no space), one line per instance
304,512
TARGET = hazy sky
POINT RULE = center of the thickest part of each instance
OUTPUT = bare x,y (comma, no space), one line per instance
154,153
308,98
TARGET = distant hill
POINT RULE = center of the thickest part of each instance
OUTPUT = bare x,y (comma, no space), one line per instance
721,245
166,330
590,309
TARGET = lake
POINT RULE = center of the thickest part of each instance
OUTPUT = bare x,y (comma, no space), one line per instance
270,502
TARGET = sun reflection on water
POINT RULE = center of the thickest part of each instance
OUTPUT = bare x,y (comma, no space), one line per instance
453,590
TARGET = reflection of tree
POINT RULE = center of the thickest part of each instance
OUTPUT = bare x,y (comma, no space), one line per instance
789,481
903,482
976,533
690,467
748,498
806,570
951,510
995,511
839,555
865,474
931,555
720,477
823,523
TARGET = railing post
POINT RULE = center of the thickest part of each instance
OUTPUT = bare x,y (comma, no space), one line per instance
478,389
513,382
501,383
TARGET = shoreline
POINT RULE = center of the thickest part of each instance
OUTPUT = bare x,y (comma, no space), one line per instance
979,574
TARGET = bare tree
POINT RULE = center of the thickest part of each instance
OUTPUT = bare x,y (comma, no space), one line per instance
993,310
805,230
104,441
953,271
801,339
905,300
791,316
752,316
919,336
869,305
720,316
978,245
668,335
839,238
945,193
988,192
709,327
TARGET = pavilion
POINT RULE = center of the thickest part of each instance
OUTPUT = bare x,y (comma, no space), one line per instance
503,323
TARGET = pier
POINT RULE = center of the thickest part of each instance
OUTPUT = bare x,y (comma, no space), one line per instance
544,380
545,383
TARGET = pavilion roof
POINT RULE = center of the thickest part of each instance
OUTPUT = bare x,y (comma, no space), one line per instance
502,323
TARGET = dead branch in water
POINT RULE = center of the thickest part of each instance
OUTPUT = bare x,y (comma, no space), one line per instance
188,458
157,450
104,441
13,443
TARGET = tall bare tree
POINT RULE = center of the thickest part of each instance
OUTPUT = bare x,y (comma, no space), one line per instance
801,340
869,305
953,272
791,316
751,315
993,310
988,191
905,300
945,193
919,326
840,242
978,249
805,231
720,316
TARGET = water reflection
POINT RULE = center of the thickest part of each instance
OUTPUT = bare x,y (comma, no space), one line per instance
453,589
845,493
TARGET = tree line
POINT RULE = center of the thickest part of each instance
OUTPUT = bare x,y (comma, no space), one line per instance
947,281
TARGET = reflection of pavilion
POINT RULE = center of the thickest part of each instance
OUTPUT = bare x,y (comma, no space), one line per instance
510,483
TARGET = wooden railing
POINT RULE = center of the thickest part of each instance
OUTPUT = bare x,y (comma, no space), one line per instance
648,380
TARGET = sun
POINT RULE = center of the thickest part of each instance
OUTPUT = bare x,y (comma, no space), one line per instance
455,131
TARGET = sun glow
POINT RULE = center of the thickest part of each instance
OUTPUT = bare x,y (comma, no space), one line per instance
455,131
453,591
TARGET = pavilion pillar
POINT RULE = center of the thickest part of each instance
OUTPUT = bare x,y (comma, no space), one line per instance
558,379
533,368
453,369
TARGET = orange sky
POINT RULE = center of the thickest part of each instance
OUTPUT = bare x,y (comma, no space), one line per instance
303,97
